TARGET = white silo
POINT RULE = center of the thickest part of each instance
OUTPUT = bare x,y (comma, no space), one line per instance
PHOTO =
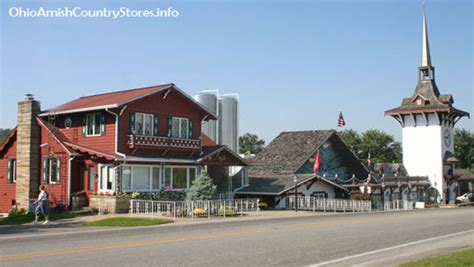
209,100
228,112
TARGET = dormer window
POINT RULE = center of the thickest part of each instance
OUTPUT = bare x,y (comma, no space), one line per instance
93,124
419,102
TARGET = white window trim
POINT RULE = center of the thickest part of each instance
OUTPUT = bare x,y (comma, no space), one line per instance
50,169
93,115
188,181
143,126
13,168
14,171
99,189
150,178
179,128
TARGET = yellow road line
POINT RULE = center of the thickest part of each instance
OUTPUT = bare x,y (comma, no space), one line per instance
193,238
131,244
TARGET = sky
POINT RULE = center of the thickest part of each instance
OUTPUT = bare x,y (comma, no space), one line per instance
296,65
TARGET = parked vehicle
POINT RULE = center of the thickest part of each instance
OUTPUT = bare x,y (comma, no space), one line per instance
466,198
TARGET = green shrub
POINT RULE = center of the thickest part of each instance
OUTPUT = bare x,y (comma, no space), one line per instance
161,195
202,188
16,212
228,211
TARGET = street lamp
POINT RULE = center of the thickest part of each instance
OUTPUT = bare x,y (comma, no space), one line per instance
295,178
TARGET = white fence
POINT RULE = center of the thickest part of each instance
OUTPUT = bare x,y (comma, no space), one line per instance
327,205
194,209
399,205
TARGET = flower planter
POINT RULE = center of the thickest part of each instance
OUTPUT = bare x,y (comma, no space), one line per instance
110,204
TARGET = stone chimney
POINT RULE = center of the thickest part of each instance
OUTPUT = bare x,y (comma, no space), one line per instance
27,152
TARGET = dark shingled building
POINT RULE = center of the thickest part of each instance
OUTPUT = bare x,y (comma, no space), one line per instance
291,155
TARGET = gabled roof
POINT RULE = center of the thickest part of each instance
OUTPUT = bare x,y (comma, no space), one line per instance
117,99
293,152
465,174
10,137
106,100
449,157
279,184
57,135
433,101
209,151
288,151
72,148
390,169
90,151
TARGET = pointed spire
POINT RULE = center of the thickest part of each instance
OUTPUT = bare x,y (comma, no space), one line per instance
425,54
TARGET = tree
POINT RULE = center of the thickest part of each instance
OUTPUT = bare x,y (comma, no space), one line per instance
250,144
463,147
382,146
3,134
202,188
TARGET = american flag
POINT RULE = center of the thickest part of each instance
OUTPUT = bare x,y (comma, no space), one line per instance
340,121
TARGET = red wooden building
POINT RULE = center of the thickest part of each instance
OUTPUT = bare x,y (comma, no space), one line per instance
139,140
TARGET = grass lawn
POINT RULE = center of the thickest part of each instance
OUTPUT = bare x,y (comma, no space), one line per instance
28,218
460,258
128,222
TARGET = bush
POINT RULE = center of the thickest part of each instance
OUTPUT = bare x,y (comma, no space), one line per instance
228,211
160,195
15,212
201,189
199,212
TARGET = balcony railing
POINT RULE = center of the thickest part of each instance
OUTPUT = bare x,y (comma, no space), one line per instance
162,142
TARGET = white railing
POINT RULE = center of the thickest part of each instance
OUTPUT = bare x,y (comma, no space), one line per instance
399,205
328,205
194,209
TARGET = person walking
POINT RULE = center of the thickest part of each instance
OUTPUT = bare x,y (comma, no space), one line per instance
42,205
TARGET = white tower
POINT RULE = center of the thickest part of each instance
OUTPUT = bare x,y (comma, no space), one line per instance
427,119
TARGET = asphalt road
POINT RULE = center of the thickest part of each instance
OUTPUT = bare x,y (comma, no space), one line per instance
375,239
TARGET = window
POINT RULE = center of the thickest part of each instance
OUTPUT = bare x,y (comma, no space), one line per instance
11,176
167,179
106,178
179,177
140,178
419,101
180,128
144,124
93,125
126,178
155,178
68,123
192,176
91,172
51,170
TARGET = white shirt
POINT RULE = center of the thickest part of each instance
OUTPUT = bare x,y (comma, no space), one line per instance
43,196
